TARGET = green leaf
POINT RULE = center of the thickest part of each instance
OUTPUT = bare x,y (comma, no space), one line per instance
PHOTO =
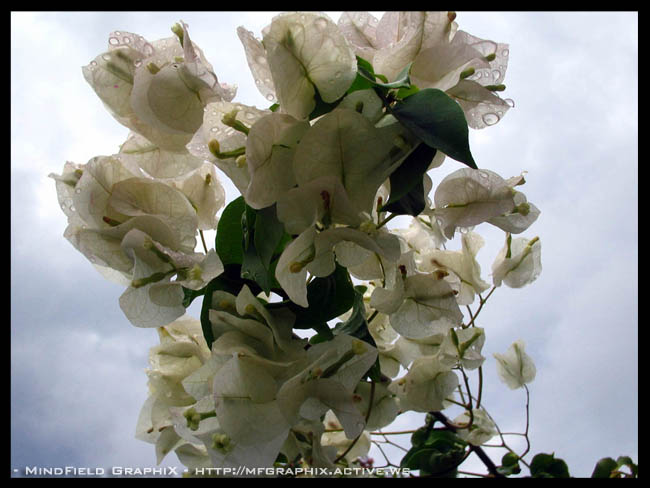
367,78
509,464
269,232
190,295
437,120
406,187
262,234
435,452
328,298
547,466
322,107
324,333
229,238
604,468
356,325
407,92
627,461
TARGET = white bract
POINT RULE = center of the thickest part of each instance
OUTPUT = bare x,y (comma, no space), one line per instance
515,367
304,54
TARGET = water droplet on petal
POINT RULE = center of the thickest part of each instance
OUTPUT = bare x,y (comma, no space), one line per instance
490,119
215,129
117,33
137,63
496,74
510,102
113,41
482,174
269,97
93,63
505,53
126,40
78,190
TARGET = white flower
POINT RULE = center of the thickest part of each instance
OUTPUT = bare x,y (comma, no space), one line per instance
515,367
156,89
302,52
221,139
426,387
481,430
418,306
462,263
469,197
270,150
463,346
519,262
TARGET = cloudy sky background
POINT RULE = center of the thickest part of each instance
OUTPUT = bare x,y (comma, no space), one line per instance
77,365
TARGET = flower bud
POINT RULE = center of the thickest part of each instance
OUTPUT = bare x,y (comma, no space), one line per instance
221,443
467,73
178,30
153,68
214,147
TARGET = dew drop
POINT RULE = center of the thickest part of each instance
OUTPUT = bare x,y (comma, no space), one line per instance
490,119
337,74
77,191
269,97
117,33
261,59
72,209
505,53
137,63
93,63
496,74
215,129
106,57
510,102
483,174
250,115
113,41
126,40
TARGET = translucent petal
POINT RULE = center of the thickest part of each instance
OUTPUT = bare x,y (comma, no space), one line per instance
426,386
515,367
360,30
138,154
522,267
468,197
481,106
270,148
258,64
293,280
332,146
305,48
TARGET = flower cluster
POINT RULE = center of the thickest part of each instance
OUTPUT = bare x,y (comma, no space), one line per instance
360,113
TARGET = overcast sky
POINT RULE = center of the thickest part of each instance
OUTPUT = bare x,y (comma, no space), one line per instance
77,365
